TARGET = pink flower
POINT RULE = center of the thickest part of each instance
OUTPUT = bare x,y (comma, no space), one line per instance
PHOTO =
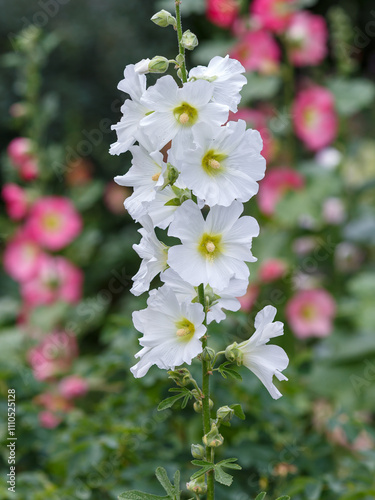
53,356
56,279
222,12
15,201
248,300
257,120
257,51
22,257
272,187
73,387
49,420
307,39
314,116
271,270
53,401
333,211
272,14
310,313
20,154
54,222
114,196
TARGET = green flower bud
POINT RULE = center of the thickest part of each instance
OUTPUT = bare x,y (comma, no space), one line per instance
163,18
213,439
198,451
197,485
234,354
225,414
182,376
208,354
189,41
198,406
172,173
158,64
180,58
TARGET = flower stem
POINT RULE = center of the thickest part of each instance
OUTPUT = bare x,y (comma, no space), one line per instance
179,37
206,400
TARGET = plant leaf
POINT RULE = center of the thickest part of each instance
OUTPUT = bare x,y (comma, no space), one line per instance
222,477
169,402
284,497
162,477
233,373
139,495
261,496
238,411
176,481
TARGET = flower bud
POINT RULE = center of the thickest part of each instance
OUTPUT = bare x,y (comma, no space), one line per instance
213,439
225,414
142,67
172,173
208,354
180,58
163,18
198,451
158,64
234,354
197,485
182,376
189,41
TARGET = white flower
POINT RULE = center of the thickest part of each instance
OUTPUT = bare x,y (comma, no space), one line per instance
171,332
154,254
145,176
213,250
160,213
225,165
227,80
225,299
141,68
133,111
177,110
263,360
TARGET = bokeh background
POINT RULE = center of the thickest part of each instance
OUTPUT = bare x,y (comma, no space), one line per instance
85,428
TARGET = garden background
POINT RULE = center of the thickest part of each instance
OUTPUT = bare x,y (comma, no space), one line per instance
85,428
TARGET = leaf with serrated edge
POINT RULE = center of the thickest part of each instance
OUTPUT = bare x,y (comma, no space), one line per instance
222,477
162,477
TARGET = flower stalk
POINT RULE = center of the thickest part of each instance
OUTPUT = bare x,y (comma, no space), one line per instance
181,48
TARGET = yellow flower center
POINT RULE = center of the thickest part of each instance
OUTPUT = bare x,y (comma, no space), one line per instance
185,114
51,222
209,246
212,162
185,329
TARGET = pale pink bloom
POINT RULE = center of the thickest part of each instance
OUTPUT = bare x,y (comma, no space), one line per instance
19,152
307,39
53,401
73,387
15,201
222,12
333,211
314,116
53,222
114,196
257,120
29,170
22,257
272,270
272,14
248,300
56,279
53,356
310,313
273,186
49,420
257,51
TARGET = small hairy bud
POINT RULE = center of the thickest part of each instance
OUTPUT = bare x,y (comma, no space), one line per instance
182,376
225,414
233,354
208,354
189,41
198,451
158,64
163,18
213,439
197,485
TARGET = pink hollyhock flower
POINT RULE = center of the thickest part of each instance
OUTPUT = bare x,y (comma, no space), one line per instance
314,117
15,201
53,356
49,420
334,211
257,51
53,401
222,12
22,257
273,15
19,152
56,279
73,387
273,186
114,196
307,36
272,270
53,222
257,120
310,313
248,300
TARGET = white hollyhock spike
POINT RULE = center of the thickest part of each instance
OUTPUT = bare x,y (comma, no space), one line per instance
225,299
224,164
176,111
133,111
171,329
145,176
154,254
226,77
263,360
213,250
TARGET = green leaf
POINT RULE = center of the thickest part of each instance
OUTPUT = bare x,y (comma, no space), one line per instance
176,481
284,497
238,411
228,462
174,202
139,495
261,496
232,373
162,477
222,477
169,402
205,467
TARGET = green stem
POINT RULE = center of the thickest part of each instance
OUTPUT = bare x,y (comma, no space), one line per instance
206,399
179,37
